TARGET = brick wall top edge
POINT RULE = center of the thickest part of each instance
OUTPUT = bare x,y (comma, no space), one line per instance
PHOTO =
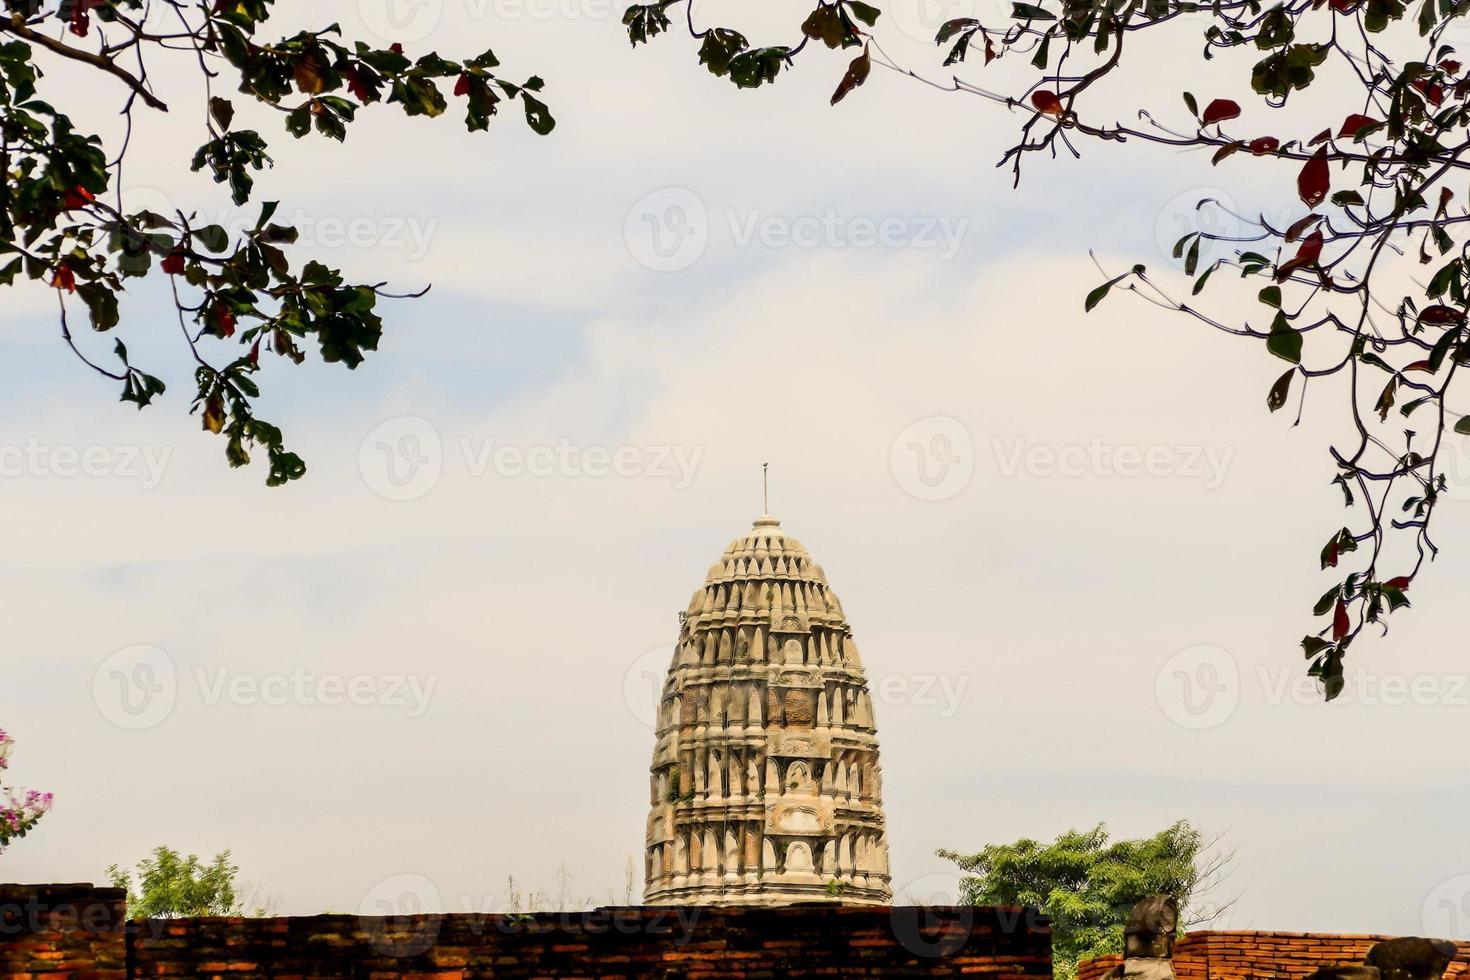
1207,934
1035,920
12,890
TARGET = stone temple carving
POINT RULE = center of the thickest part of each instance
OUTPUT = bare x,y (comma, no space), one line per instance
1148,941
766,788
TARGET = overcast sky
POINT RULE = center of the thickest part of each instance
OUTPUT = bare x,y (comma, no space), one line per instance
1076,550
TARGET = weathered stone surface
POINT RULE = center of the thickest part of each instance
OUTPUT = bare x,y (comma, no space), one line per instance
1347,971
1151,928
1411,958
1146,968
766,708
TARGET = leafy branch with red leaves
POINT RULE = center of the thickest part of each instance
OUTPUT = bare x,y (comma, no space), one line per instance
64,220
1339,294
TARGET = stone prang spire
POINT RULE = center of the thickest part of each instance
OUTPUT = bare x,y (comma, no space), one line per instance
765,776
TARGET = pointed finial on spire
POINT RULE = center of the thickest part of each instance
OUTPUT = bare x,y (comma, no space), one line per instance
766,520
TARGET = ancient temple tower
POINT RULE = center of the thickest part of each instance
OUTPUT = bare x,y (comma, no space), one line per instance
765,779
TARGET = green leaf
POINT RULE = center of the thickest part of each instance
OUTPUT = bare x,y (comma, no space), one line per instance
1314,645
1096,296
1271,296
1283,341
1029,11
101,305
222,111
537,115
1463,426
868,15
1277,395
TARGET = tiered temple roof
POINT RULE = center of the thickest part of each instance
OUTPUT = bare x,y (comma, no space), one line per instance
766,787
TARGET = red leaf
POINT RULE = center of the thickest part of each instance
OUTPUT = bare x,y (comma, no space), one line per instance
1306,254
1321,137
222,320
1440,315
1340,624
1262,145
1400,582
462,86
77,197
856,74
173,263
1341,6
1301,225
1432,91
356,86
254,356
396,47
1450,65
64,279
1219,111
80,20
1046,102
989,51
1226,150
1354,124
1417,366
1312,183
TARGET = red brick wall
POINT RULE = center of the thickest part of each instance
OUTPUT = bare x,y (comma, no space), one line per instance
1239,955
1094,968
624,943
52,932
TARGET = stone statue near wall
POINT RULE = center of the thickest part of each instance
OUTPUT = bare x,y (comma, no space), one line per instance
1411,958
1148,940
1405,958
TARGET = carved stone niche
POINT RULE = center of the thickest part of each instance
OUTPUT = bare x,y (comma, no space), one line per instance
800,745
805,818
791,623
661,825
800,678
663,751
799,859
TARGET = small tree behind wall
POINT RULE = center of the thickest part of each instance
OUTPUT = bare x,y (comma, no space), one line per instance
171,885
1088,883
